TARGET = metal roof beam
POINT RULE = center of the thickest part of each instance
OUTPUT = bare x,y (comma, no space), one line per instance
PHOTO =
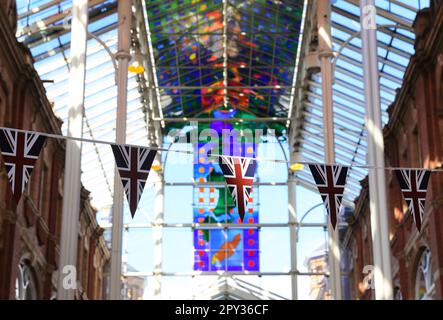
354,133
339,105
319,129
337,147
339,94
320,146
383,60
255,119
38,9
359,77
348,86
347,160
381,12
381,73
380,44
66,46
37,26
154,107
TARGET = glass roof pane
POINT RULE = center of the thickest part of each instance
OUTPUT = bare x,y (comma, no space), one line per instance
394,52
222,56
243,53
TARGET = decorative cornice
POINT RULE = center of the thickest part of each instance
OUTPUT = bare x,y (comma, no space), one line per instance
20,62
28,236
42,231
428,43
9,44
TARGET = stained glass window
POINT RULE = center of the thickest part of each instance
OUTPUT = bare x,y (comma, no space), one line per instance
225,248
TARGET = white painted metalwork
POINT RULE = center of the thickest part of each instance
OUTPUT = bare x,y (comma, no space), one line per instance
72,183
123,57
377,180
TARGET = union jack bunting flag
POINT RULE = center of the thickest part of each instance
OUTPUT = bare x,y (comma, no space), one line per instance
20,153
414,185
330,181
133,164
239,176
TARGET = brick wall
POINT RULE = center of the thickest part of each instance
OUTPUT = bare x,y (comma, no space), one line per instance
30,232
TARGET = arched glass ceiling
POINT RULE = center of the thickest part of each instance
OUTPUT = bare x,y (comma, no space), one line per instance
395,47
220,54
207,55
51,53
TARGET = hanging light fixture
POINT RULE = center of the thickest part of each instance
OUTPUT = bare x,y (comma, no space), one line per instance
296,164
156,165
136,63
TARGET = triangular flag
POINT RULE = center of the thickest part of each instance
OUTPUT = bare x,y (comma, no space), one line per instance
20,152
133,164
239,176
330,181
414,186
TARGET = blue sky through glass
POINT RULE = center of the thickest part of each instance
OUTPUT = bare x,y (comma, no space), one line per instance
52,55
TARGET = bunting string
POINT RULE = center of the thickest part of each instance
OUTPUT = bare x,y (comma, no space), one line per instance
307,163
20,150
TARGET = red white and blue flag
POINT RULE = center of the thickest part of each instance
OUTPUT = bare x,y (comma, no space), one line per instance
414,186
330,181
20,152
133,164
239,176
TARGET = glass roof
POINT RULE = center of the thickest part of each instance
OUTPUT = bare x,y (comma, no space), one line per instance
51,53
395,47
220,55
224,55
221,59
